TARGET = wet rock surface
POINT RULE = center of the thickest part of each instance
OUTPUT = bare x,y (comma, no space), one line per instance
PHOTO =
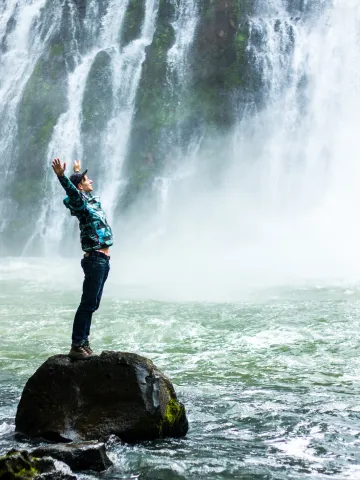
115,393
78,456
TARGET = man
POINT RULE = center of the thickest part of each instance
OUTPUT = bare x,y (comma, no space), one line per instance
96,238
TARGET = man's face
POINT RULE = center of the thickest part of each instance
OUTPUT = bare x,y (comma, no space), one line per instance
86,185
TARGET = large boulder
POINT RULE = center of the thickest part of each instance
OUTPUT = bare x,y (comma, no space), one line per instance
116,393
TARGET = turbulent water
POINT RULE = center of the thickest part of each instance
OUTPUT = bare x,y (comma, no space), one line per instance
271,383
243,283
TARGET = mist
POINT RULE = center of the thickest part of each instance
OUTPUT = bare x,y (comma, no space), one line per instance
280,204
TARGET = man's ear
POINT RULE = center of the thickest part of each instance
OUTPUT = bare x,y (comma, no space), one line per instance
80,187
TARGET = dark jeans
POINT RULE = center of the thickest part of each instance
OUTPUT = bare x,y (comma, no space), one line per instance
96,269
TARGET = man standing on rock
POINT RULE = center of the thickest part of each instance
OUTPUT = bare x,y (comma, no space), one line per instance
96,238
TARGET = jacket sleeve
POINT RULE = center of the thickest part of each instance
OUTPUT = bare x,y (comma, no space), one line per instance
75,197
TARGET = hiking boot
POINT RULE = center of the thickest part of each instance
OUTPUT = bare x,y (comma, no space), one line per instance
77,352
87,348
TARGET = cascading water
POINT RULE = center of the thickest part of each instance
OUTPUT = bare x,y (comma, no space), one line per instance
24,36
305,170
177,78
127,71
292,166
284,158
67,139
184,27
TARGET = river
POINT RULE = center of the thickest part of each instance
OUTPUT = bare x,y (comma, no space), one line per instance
271,382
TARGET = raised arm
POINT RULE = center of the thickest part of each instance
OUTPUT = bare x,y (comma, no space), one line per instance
70,189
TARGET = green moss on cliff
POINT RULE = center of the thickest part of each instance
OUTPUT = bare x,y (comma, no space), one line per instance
26,193
56,50
153,109
97,101
168,115
42,103
97,108
218,61
134,18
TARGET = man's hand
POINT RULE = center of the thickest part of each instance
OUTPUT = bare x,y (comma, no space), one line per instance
58,168
77,166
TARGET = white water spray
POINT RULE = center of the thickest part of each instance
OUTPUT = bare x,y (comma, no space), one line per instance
287,210
184,27
127,71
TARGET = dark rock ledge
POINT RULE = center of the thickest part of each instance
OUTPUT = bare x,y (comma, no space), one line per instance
54,461
78,456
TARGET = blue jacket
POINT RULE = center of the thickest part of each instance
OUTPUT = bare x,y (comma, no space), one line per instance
95,232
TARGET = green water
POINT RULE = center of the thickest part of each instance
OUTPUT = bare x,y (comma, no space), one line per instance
271,383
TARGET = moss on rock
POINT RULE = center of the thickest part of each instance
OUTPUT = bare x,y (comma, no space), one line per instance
152,108
22,465
173,413
18,464
97,99
42,103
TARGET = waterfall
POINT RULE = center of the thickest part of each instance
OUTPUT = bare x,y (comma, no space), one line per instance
308,70
127,71
266,174
285,205
299,192
24,35
125,65
178,79
184,27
